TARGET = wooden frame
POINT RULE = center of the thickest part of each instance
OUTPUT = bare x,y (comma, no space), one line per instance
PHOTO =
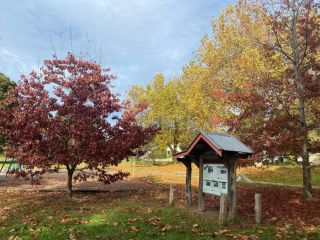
227,157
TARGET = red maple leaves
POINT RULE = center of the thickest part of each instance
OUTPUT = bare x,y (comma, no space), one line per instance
67,115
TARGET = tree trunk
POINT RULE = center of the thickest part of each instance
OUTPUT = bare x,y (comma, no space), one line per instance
69,180
173,151
307,187
175,140
297,62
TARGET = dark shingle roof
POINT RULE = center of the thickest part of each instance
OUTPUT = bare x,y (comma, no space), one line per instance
227,142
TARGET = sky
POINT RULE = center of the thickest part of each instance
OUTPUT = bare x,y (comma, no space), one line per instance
135,38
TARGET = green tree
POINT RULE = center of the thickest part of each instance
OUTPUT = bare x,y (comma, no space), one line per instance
165,108
5,85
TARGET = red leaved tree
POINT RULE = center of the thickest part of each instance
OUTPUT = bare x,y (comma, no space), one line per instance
67,115
295,35
277,112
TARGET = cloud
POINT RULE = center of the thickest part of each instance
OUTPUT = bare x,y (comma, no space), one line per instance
136,38
12,62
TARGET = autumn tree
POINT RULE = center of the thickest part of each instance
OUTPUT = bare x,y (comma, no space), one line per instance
253,62
263,65
67,115
295,35
214,86
5,85
227,67
195,89
165,109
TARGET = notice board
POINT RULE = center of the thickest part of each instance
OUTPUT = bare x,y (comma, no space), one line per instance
215,179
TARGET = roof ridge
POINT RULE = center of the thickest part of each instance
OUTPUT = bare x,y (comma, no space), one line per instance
216,133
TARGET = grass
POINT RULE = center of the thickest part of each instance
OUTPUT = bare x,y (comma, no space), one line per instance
141,214
172,173
119,216
291,175
168,172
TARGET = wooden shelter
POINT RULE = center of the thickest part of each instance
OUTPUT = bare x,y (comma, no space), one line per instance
213,148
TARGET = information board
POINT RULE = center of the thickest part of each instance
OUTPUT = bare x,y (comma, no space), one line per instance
215,179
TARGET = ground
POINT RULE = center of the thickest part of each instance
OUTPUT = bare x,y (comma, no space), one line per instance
137,208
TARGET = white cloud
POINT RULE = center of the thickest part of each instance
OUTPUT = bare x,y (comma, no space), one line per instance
12,62
136,37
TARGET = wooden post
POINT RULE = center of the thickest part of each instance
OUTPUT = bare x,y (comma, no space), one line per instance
223,209
232,189
257,207
200,188
188,184
171,195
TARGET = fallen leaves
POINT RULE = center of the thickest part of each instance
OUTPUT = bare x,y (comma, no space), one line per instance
154,220
115,224
65,219
166,228
148,218
222,231
273,219
134,229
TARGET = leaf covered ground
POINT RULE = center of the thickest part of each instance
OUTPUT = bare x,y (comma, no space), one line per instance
141,211
146,215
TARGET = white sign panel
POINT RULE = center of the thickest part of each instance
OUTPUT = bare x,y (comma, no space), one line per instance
215,179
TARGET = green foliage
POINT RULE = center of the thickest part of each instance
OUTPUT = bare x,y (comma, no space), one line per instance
165,107
158,153
5,85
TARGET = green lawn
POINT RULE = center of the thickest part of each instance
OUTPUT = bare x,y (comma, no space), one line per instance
120,216
281,174
172,173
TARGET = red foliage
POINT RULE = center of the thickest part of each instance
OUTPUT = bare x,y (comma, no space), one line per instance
266,113
67,115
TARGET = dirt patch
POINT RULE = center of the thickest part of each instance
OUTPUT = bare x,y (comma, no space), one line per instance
56,182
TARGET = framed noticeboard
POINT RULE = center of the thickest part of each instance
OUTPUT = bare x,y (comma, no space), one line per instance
215,179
